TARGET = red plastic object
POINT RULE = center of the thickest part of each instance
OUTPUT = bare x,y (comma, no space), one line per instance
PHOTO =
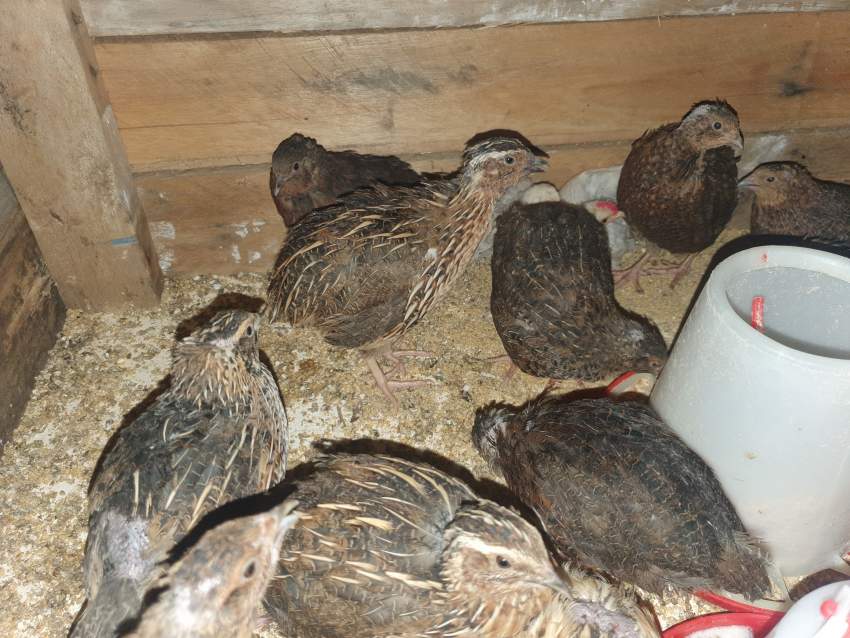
760,624
737,614
757,313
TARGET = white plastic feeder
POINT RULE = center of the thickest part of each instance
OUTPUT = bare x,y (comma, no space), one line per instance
768,407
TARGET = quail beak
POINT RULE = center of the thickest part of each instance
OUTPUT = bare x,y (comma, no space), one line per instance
539,164
277,185
746,185
287,518
738,146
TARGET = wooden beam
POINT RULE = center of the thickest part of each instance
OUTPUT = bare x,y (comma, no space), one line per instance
31,311
154,17
60,147
209,102
223,221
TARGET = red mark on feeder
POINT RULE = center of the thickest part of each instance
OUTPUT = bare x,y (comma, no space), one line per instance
757,313
828,608
764,258
607,205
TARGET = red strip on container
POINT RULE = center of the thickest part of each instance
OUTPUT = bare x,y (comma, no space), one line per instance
757,313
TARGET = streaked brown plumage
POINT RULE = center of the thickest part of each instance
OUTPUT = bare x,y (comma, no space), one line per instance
553,301
393,548
618,490
304,175
216,434
789,200
364,271
678,183
213,590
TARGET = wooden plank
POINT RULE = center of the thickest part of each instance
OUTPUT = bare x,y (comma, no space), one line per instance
224,222
31,311
153,17
228,101
61,150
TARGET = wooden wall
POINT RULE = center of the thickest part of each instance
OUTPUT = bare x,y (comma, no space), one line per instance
203,98
31,312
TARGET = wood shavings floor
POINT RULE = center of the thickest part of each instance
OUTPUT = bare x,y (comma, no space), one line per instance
104,364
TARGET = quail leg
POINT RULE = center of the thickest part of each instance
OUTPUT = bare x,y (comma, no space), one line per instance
679,270
396,357
632,273
386,385
511,368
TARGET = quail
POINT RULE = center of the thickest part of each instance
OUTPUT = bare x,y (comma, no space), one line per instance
216,434
617,490
213,589
678,185
391,547
365,270
552,298
789,200
304,175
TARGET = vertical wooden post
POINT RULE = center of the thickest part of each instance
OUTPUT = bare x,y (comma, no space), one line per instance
60,148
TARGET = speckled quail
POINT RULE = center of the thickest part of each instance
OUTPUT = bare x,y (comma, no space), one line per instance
216,434
390,547
304,175
618,490
678,183
365,270
552,298
213,590
789,200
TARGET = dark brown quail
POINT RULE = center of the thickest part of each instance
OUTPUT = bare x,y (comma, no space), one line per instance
213,590
305,175
387,547
789,200
678,183
553,302
216,434
366,270
619,491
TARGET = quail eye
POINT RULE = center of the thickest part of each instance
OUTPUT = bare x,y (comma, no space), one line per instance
503,562
770,178
509,160
717,126
250,568
295,166
249,331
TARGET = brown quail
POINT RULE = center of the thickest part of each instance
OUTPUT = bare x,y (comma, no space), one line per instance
678,183
387,547
789,200
216,434
619,491
213,590
365,270
305,175
553,301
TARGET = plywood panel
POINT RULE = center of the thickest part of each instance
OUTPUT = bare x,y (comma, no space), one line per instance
149,17
31,311
223,221
226,101
60,148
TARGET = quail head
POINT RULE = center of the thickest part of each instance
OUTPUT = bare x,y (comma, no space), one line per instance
212,591
305,175
789,200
